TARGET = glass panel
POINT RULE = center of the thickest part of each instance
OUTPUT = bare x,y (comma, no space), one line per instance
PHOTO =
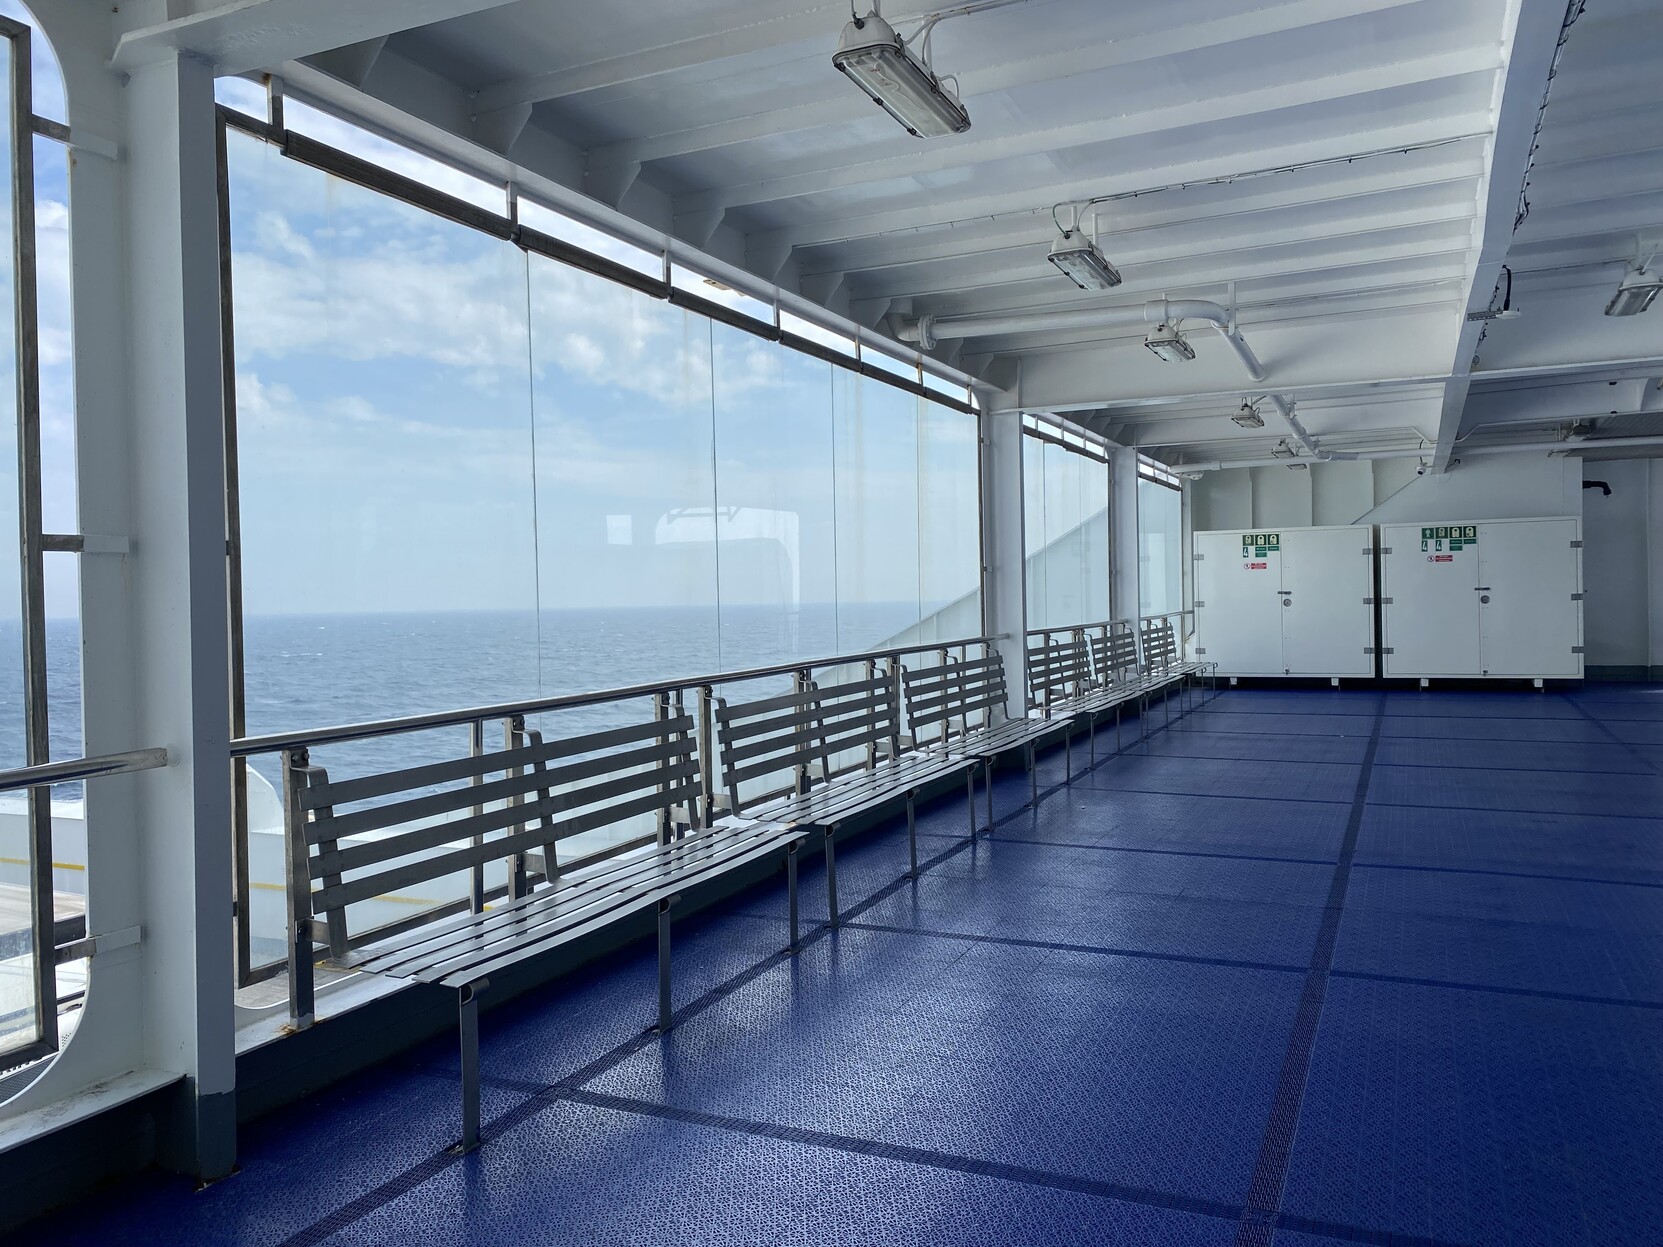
559,225
949,529
795,324
775,518
876,457
626,487
1033,530
1066,510
1160,549
384,418
18,1003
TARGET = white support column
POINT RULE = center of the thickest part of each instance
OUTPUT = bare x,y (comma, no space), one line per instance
150,467
1123,535
1004,565
179,597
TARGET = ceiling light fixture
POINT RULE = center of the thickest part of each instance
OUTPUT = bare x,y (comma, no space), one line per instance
1638,291
877,60
1247,415
1283,451
1080,260
1169,344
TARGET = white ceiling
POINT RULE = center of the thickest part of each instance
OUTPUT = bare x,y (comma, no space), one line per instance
722,124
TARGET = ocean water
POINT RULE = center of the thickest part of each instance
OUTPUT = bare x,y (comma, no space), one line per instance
313,671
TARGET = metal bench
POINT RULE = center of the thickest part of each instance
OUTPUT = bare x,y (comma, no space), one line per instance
805,733
959,699
1161,660
368,837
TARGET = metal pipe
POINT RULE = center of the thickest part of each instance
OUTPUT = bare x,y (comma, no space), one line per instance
1154,312
1507,448
81,768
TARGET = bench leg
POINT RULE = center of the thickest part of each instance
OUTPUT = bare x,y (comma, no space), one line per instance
467,1010
987,776
1117,727
791,889
831,875
970,800
1033,779
1091,736
1068,754
912,838
664,967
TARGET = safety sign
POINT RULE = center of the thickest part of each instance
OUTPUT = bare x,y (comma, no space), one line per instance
1257,545
1451,537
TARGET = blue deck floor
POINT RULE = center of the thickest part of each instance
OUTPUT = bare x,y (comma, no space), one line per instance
1309,967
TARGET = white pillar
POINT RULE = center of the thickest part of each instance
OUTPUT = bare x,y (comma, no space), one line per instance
178,619
1123,534
1004,565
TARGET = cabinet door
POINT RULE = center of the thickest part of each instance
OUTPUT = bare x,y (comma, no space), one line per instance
1327,622
1530,623
1238,610
1430,623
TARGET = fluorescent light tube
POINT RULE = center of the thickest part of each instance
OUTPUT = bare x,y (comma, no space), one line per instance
876,61
1638,291
1169,344
1082,263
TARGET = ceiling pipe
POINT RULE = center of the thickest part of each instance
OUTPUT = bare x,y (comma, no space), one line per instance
1508,448
927,330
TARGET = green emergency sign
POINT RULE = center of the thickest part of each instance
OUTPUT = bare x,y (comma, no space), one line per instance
1436,539
1257,545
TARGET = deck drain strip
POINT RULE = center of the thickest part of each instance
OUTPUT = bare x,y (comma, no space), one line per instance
1258,1222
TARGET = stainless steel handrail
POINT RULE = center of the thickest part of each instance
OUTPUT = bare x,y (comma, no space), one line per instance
249,746
81,768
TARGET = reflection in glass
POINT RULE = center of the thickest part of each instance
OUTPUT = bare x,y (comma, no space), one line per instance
1066,520
1160,548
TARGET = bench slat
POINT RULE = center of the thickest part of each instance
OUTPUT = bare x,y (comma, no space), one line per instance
338,896
349,791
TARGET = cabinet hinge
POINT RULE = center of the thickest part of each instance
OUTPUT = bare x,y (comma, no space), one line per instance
1385,549
1199,602
1577,597
1201,650
1576,545
1377,601
1198,557
1369,649
1576,649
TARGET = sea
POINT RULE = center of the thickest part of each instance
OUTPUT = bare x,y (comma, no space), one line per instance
306,672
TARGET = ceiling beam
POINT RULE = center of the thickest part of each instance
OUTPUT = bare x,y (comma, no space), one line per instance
838,105
1334,187
238,36
1450,129
854,168
818,21
1524,83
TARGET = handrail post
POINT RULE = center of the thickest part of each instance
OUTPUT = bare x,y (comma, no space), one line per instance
298,888
476,889
801,681
871,745
513,736
707,754
661,714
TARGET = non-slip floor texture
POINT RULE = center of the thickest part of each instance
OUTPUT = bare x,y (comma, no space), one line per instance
1305,967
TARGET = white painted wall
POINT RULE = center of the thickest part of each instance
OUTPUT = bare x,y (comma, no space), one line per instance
1623,564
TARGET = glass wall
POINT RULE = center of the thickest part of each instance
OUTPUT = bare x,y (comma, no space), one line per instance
471,474
1066,534
1160,548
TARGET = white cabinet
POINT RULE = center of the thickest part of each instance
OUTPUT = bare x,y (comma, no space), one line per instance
1292,602
1500,598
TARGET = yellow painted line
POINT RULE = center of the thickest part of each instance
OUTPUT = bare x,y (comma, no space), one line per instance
23,861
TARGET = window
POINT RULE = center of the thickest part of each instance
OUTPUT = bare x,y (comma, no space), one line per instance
1160,543
1066,529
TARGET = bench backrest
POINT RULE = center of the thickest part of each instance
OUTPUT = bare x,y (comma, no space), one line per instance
955,688
805,730
464,812
1057,670
1114,654
1160,645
